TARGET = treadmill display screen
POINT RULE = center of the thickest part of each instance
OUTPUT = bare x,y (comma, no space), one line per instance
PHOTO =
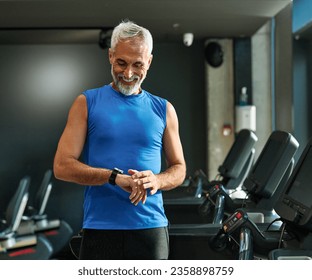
266,163
300,188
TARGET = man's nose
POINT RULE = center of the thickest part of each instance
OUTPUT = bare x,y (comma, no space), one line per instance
128,72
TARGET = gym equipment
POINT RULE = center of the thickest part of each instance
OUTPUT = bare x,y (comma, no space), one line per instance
192,187
242,237
34,217
276,161
13,215
295,209
35,220
294,206
181,204
265,182
13,246
232,171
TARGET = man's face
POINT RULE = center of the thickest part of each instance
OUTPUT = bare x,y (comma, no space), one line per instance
130,61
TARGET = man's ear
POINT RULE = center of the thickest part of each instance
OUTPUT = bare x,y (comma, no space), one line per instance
110,55
150,61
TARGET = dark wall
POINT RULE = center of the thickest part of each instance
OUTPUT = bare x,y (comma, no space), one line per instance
242,68
38,85
178,74
302,87
302,57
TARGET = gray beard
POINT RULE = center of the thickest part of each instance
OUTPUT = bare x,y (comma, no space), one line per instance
124,89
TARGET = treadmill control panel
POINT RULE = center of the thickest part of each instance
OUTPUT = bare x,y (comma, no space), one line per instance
294,206
234,221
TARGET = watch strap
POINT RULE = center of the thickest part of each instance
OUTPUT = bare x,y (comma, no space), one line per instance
112,177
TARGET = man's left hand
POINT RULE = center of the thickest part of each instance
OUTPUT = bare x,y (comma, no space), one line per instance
147,179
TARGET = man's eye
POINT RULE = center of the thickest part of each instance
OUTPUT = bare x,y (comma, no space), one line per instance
120,62
138,65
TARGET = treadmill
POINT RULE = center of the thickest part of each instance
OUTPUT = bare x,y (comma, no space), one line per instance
265,182
12,246
293,241
268,175
181,204
35,219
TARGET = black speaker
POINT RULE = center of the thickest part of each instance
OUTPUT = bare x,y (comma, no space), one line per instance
214,54
105,38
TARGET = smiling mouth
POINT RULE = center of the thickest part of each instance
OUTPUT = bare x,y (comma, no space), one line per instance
132,79
127,81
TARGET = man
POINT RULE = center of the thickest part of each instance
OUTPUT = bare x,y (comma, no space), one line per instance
121,127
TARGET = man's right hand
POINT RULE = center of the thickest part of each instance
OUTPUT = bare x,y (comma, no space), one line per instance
137,192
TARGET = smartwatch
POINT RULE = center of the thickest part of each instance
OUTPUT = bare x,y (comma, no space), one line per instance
113,176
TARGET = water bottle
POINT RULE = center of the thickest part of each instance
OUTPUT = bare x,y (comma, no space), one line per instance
243,98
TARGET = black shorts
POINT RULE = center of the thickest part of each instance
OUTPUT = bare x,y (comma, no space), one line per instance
145,244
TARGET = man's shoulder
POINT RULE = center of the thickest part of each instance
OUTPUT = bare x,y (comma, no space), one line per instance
154,96
94,91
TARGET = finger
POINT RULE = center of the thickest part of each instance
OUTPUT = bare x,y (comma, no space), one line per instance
135,201
140,174
143,181
132,171
133,197
138,197
153,191
133,193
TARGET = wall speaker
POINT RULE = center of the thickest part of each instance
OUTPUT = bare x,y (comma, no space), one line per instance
214,54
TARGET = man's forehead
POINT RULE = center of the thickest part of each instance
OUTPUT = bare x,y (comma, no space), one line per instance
131,52
135,44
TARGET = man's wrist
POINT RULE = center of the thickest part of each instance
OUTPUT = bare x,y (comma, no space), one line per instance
112,177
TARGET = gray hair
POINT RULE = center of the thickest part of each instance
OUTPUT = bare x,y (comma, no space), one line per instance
128,29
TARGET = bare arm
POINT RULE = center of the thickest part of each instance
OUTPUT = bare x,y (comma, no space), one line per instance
67,166
175,173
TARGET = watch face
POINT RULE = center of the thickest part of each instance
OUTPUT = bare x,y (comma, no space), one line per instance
118,170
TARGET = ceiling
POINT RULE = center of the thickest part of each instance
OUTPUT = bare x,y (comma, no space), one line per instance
79,21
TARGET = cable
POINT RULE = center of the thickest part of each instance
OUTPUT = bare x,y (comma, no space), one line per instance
235,241
281,236
244,200
71,248
275,220
76,237
218,176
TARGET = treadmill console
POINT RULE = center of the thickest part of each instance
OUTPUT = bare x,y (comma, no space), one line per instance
295,204
271,164
235,221
238,154
221,240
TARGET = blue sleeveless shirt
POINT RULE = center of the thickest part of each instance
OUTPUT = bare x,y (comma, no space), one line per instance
124,132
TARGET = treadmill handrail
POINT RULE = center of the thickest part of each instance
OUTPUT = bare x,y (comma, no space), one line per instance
245,244
219,210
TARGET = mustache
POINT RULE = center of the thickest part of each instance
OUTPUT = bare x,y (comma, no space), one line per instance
131,79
